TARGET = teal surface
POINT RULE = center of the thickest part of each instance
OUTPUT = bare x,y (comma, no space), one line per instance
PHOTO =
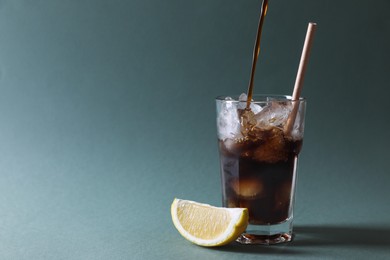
107,113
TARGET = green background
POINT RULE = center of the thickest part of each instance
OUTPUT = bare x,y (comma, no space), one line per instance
107,113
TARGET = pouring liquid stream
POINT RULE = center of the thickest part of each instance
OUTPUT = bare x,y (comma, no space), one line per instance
256,52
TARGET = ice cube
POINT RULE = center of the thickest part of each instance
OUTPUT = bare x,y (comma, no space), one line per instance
242,104
273,149
234,146
249,188
275,114
298,127
228,122
248,121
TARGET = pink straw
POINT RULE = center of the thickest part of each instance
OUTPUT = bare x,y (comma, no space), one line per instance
300,75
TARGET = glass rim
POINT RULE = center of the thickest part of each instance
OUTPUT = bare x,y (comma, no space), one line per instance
261,98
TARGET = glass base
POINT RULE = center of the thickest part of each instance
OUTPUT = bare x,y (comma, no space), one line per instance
267,234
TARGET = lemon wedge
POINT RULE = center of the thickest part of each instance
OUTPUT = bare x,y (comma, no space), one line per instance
206,225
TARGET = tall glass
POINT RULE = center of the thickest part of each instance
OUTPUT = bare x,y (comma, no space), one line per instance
259,150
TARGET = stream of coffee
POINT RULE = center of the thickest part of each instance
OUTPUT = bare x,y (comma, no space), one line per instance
256,52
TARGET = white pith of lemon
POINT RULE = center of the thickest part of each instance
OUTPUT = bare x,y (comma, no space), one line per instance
206,225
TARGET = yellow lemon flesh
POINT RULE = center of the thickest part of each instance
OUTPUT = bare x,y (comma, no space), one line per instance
206,225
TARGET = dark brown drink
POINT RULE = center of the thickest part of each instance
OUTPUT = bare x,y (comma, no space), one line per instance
258,160
258,174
